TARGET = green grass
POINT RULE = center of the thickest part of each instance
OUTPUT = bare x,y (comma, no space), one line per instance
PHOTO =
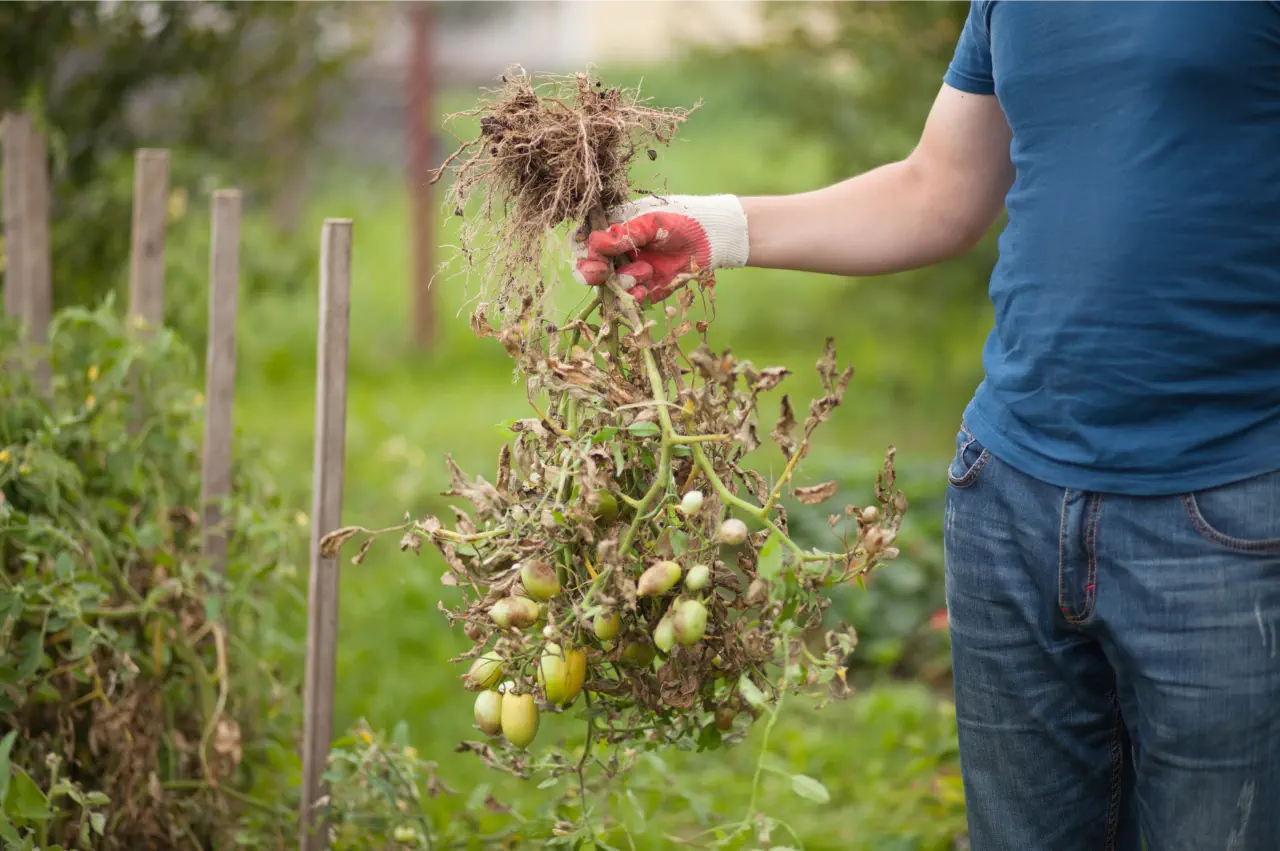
407,409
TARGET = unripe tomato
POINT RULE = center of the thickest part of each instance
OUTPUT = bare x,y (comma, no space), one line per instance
517,612
690,622
691,503
519,718
658,579
561,673
603,506
732,532
485,671
489,712
539,579
638,653
607,625
664,634
725,716
697,578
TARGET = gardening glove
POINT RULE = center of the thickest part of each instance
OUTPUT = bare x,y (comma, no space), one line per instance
664,240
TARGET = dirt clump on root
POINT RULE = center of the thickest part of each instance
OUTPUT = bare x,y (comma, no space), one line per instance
548,152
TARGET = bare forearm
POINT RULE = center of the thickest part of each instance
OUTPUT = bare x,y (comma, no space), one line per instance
886,220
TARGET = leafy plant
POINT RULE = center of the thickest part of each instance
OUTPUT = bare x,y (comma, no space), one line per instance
138,681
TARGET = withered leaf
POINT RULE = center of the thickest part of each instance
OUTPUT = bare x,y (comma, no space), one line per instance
504,468
465,526
827,364
816,494
747,436
769,378
479,325
510,339
759,486
684,300
358,558
484,496
332,542
786,424
493,804
530,425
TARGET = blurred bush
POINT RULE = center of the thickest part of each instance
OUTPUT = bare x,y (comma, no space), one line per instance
148,692
243,83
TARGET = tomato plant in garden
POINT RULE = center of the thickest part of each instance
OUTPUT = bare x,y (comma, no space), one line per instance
624,560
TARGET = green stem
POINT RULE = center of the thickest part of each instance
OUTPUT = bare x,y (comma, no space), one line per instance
249,800
783,479
459,538
700,438
764,740
728,498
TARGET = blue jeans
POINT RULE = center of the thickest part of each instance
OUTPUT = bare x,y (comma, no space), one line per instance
1117,662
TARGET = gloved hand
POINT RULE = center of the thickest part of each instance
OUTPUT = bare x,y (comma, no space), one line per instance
663,239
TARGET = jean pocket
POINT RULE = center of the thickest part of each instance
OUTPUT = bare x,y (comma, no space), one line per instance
971,456
1243,515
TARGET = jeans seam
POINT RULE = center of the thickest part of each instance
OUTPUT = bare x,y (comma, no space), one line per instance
1091,589
1202,526
1062,531
1117,775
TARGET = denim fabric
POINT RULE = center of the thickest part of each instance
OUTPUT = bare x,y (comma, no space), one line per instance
1117,662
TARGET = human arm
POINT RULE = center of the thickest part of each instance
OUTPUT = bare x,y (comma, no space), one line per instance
933,205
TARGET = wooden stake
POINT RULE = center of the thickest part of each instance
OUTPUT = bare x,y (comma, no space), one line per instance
37,256
146,262
326,515
419,125
28,279
220,371
15,130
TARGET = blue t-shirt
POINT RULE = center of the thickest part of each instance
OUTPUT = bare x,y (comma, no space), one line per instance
1136,346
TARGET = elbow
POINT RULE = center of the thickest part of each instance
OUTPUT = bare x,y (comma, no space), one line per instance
953,215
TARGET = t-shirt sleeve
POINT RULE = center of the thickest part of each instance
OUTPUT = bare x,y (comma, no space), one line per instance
970,69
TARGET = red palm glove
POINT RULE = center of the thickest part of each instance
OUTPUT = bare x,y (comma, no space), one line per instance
664,239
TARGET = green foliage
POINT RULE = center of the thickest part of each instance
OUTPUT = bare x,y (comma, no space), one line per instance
144,687
244,82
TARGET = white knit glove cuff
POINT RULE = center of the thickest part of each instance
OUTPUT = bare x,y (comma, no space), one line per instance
721,217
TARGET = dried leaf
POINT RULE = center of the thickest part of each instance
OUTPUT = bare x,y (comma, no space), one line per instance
484,496
358,558
747,436
504,468
816,494
332,542
782,431
769,378
479,325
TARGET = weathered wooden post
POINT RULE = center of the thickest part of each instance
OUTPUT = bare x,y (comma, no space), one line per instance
13,129
146,255
419,135
28,276
220,372
326,515
146,260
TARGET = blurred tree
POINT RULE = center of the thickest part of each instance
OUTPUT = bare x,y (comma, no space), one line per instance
860,77
237,83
